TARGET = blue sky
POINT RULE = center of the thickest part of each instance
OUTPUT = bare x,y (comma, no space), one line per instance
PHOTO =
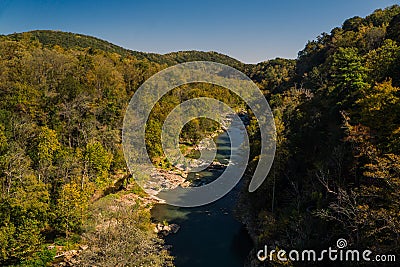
251,31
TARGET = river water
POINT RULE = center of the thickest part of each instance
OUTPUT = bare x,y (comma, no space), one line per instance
210,235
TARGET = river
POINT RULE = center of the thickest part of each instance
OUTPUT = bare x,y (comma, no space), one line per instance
210,235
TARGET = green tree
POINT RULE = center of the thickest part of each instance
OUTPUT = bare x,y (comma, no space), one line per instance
46,146
98,161
349,75
380,108
70,211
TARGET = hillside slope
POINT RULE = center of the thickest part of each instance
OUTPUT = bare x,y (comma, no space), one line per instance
69,40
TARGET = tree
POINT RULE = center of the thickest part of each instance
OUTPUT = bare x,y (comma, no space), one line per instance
98,161
123,236
393,29
380,62
349,75
24,204
71,207
3,140
369,212
380,108
46,146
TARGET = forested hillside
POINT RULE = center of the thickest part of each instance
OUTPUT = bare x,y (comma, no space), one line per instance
69,40
336,173
63,101
60,130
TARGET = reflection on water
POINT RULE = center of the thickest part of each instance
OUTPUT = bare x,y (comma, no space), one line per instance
209,235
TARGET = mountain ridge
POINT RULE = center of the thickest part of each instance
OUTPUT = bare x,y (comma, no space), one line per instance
68,40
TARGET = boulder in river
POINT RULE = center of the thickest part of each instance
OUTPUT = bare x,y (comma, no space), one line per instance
166,229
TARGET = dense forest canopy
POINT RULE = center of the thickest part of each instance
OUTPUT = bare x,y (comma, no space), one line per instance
69,40
336,171
63,102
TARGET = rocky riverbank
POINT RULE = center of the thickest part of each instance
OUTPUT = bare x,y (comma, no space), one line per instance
166,229
162,179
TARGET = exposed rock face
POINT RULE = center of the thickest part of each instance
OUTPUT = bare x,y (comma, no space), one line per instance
166,229
69,257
